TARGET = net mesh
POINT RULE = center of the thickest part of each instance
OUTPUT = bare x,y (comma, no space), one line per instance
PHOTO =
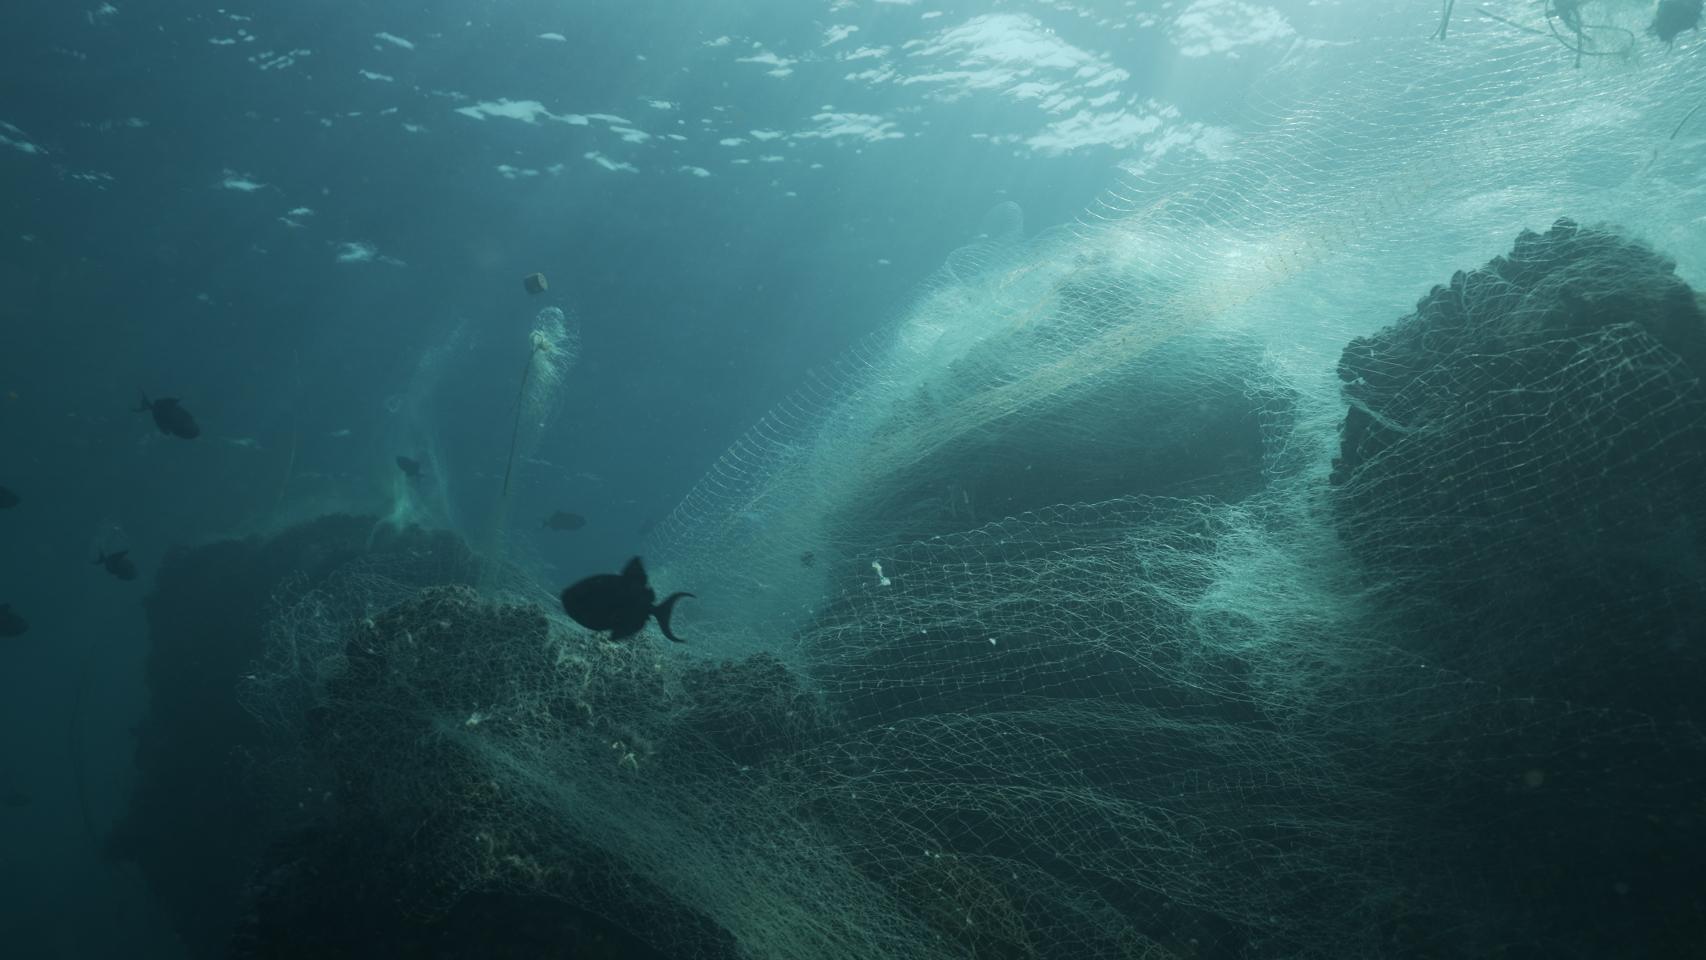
1073,617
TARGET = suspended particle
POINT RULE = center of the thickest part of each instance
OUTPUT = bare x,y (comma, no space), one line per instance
882,581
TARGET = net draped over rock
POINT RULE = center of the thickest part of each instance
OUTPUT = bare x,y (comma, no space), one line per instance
1207,724
1048,626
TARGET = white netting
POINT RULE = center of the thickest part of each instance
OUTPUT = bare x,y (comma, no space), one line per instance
1053,628
553,347
1363,174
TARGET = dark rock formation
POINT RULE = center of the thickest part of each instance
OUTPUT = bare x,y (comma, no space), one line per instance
198,820
1536,430
1521,479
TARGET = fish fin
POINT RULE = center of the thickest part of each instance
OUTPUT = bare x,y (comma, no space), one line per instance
635,570
146,406
664,610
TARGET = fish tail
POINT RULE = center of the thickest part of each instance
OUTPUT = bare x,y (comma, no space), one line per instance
100,559
664,610
146,406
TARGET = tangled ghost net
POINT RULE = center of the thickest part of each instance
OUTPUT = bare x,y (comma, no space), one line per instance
1048,625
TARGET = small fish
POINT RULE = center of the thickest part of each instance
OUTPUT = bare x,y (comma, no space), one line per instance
564,520
11,625
172,419
1673,17
808,559
410,466
15,799
118,564
620,603
8,499
340,433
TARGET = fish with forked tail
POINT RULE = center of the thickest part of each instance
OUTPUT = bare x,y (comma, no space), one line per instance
170,416
619,602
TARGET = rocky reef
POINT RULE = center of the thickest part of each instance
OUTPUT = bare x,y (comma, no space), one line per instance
1519,480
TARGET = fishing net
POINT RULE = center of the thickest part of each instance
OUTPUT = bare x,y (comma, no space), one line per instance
1074,616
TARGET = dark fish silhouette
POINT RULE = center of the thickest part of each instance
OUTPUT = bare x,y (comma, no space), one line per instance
1673,17
410,466
11,625
8,499
620,603
118,564
172,419
808,559
564,520
15,799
